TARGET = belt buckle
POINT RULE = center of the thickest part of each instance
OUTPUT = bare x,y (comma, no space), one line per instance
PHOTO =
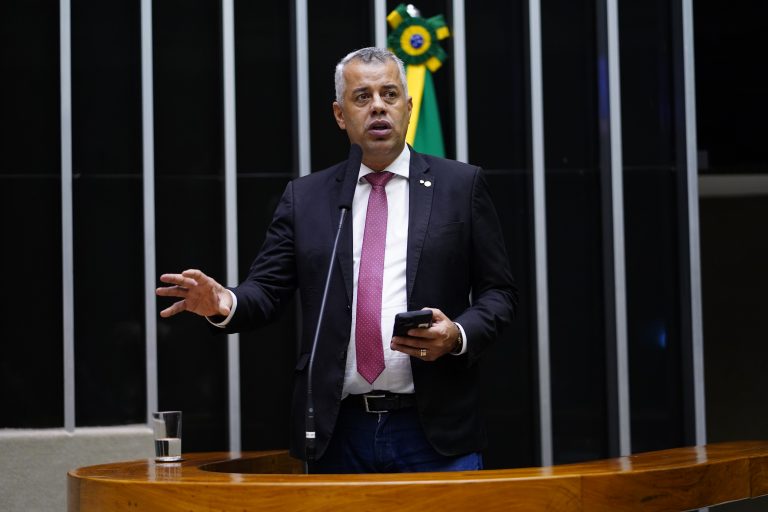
368,408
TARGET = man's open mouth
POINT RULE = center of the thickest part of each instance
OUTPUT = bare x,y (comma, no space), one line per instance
379,128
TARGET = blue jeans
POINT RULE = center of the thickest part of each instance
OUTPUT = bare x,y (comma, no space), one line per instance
392,442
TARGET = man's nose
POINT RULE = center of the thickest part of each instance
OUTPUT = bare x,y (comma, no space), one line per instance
378,104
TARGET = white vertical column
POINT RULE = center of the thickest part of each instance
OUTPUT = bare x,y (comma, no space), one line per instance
148,194
380,23
540,233
230,203
67,236
691,158
617,216
460,81
302,88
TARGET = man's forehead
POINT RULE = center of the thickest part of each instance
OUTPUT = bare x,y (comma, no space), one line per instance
373,68
387,85
359,74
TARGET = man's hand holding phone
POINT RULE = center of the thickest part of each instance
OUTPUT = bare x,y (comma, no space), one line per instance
427,334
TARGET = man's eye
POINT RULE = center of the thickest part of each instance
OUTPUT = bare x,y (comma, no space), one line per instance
362,97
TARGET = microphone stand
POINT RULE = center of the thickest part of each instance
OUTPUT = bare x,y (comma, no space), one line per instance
310,420
347,193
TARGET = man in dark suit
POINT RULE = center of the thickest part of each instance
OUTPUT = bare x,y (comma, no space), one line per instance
423,234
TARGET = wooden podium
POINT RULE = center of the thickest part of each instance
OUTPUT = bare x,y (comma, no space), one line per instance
676,479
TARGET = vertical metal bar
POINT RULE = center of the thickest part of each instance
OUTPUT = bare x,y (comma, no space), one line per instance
693,223
148,194
460,81
230,202
380,23
617,216
302,88
67,235
540,233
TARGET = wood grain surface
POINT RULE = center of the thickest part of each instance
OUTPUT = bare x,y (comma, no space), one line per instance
669,480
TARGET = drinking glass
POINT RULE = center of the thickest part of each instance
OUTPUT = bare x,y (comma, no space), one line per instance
167,430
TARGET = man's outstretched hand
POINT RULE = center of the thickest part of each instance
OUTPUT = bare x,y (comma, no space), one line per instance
199,294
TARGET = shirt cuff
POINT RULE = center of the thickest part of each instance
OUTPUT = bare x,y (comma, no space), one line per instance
224,322
463,345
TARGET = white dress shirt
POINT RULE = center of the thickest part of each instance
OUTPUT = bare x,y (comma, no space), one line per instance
396,376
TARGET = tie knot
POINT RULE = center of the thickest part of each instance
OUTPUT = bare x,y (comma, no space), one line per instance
378,179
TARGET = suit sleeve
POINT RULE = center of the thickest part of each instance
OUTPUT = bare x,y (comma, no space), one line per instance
494,293
271,280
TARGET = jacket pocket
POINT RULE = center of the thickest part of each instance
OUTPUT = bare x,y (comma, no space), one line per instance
442,230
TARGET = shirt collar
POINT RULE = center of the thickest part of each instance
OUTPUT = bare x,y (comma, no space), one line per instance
400,166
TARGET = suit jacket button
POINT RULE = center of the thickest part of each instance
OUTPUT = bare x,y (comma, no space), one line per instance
349,307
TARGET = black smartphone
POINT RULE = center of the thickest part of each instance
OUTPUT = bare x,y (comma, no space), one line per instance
411,320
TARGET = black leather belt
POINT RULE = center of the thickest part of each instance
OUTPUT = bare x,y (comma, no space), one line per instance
381,401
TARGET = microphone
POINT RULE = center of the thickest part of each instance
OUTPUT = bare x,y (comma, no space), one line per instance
345,205
350,177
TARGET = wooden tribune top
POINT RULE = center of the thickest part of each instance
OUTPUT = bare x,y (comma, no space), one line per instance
676,479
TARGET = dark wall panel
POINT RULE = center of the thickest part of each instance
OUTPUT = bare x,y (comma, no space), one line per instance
32,365
497,85
31,362
731,104
188,87
264,95
110,383
29,90
192,371
577,309
106,87
653,215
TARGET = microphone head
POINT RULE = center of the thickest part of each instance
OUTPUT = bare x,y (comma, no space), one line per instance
355,156
350,177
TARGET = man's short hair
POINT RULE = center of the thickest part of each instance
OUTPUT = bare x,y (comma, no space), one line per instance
367,55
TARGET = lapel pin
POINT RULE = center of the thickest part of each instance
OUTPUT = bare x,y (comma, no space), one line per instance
427,183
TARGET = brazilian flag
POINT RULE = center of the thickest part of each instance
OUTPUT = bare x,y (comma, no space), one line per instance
415,40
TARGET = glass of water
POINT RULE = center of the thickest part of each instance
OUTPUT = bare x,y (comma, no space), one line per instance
167,430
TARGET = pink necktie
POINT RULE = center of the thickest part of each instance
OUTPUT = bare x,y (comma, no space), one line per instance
368,346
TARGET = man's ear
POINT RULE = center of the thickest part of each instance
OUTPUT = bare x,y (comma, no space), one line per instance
338,113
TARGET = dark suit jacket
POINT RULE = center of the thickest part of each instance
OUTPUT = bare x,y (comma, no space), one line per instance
455,247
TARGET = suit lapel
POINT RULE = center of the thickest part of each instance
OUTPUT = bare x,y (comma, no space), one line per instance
421,185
